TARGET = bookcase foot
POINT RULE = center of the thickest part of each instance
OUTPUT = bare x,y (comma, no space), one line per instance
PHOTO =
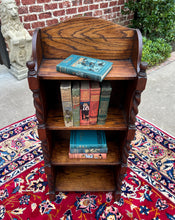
52,196
117,196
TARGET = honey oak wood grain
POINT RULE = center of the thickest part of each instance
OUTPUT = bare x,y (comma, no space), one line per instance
88,36
60,155
115,121
72,178
121,70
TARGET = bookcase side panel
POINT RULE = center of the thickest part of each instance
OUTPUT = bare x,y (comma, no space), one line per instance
37,51
135,101
44,136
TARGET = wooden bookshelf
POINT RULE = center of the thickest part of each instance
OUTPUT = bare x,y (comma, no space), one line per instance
61,150
97,38
121,70
115,121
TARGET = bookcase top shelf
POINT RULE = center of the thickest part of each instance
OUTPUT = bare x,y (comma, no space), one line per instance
121,70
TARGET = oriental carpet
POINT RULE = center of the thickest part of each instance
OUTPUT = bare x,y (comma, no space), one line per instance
148,189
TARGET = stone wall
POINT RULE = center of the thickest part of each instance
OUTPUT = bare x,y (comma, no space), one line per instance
41,13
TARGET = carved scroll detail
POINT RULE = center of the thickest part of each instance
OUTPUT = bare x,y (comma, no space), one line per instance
46,153
134,110
34,86
141,82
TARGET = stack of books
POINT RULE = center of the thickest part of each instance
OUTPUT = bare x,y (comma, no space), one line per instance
89,144
85,102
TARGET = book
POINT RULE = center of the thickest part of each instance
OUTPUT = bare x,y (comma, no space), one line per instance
88,141
87,67
104,102
88,156
88,150
76,102
84,102
66,98
94,101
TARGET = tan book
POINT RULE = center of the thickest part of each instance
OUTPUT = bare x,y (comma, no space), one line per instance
66,98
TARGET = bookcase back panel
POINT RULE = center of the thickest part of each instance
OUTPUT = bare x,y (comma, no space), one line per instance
92,37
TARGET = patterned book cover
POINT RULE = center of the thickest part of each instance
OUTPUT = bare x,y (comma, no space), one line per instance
88,141
104,102
76,102
98,156
88,150
84,102
94,101
66,98
87,67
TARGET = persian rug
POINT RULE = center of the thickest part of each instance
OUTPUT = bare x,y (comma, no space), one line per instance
148,189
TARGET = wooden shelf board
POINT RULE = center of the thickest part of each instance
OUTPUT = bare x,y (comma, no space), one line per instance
75,179
121,70
115,121
61,150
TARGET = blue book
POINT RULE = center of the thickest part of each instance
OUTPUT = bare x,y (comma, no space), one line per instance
87,67
88,141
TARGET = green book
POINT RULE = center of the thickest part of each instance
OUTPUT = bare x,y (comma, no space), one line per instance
76,102
104,102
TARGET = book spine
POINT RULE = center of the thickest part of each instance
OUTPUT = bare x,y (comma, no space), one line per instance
76,103
103,105
65,89
88,156
84,105
94,104
88,150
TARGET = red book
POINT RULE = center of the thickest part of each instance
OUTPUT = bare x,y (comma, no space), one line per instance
98,156
84,102
94,101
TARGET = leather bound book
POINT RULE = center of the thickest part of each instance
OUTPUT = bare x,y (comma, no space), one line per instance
104,102
84,102
86,67
66,98
98,156
76,102
88,141
94,101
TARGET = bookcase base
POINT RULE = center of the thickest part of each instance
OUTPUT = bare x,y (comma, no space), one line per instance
74,178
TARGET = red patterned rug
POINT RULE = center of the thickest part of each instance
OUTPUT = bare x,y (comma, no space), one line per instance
148,190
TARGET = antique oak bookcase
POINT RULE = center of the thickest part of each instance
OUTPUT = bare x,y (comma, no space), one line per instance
97,38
